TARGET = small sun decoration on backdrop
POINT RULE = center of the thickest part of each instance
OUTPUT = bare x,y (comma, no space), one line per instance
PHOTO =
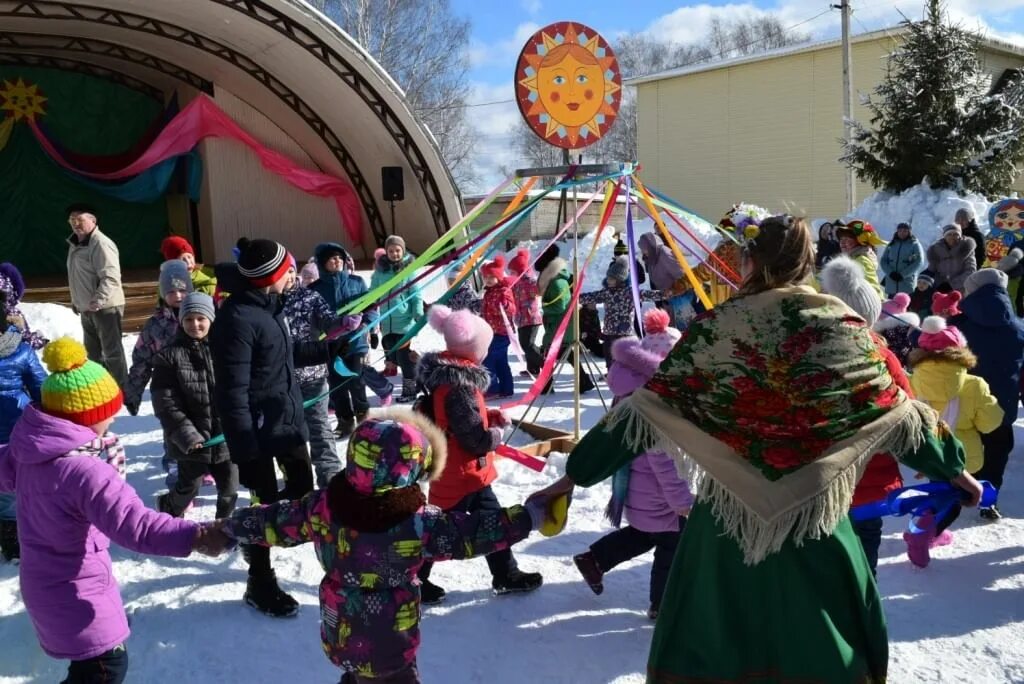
568,85
19,100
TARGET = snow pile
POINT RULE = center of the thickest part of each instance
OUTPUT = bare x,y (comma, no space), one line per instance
52,320
925,208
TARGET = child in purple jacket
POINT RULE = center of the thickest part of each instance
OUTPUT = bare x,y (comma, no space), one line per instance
70,505
373,528
656,500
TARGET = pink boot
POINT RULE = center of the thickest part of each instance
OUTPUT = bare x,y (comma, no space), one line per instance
919,538
944,538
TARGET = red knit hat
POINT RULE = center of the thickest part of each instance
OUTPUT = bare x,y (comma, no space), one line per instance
520,262
174,246
495,268
946,304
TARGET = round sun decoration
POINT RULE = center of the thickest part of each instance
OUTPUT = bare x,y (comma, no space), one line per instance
568,85
21,100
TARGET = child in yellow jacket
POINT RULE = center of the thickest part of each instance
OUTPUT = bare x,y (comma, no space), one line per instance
940,365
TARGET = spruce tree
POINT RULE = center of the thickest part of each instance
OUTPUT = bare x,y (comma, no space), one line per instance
932,117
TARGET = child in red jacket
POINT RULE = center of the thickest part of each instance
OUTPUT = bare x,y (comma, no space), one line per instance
498,309
455,382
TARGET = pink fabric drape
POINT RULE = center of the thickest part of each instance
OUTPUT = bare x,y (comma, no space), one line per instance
202,118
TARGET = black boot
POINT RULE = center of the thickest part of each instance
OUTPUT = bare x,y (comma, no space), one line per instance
990,513
408,392
430,593
345,428
517,582
263,594
9,547
592,575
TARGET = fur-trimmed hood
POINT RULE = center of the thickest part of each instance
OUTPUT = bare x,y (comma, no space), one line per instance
550,272
436,369
959,356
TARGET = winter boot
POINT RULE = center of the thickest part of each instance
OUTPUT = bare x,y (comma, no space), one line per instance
9,547
587,565
652,612
431,594
408,392
919,539
345,428
360,417
263,594
390,369
517,582
990,513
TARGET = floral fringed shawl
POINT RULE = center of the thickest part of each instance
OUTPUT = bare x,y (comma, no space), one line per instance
774,403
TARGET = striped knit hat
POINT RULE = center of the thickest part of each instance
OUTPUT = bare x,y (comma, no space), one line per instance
263,262
77,389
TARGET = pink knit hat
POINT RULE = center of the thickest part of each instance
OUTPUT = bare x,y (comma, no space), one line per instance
936,335
898,305
465,334
947,304
660,337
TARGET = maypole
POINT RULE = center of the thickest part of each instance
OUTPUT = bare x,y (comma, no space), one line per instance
569,88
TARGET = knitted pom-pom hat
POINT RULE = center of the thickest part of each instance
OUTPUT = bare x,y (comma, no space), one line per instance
174,276
494,268
78,389
393,449
520,262
936,335
946,304
263,262
660,337
173,246
465,334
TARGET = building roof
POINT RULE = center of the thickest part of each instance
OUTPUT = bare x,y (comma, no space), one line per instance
990,43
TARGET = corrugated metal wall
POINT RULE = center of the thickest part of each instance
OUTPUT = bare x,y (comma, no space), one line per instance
765,132
240,198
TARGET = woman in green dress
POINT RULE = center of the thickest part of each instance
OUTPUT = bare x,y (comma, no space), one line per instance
772,404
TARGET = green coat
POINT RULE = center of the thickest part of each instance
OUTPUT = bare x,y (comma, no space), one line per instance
408,306
203,280
809,614
555,301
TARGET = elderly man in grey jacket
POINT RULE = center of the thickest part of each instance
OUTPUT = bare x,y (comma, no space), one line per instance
94,278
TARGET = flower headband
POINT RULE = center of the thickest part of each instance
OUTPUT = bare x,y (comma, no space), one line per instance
863,232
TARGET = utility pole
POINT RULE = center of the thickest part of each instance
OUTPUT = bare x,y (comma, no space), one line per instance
844,7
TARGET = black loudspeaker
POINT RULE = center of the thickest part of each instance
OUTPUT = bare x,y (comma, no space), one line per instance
392,183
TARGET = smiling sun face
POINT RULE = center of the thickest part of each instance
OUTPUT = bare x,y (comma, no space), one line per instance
21,101
568,85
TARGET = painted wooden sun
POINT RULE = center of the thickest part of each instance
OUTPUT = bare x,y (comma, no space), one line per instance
568,85
21,100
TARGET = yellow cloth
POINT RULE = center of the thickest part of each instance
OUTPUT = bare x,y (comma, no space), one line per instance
937,381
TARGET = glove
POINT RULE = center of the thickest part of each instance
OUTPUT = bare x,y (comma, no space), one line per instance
549,512
1010,261
374,340
133,407
895,277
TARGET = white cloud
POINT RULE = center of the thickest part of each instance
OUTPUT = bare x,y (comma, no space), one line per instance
532,7
494,145
503,52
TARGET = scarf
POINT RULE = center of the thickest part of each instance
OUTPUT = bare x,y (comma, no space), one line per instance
774,403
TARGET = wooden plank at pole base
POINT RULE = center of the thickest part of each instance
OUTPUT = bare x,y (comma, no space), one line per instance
542,432
543,448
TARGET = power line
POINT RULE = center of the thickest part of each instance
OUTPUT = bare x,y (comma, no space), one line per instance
693,62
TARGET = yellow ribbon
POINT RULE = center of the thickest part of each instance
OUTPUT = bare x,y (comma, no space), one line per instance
6,126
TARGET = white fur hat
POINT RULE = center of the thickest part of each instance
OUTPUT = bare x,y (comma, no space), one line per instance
844,279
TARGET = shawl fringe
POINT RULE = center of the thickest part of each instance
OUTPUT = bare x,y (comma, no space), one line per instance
811,516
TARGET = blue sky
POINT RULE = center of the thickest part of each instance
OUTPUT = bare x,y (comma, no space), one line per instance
501,27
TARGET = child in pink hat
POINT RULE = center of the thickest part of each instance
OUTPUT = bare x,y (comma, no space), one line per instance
941,378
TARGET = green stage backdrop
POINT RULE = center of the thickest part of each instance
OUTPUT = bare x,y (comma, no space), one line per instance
88,115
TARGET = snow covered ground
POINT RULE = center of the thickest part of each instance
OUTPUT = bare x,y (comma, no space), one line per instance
960,620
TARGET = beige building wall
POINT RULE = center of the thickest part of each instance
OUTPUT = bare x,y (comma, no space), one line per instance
766,132
241,198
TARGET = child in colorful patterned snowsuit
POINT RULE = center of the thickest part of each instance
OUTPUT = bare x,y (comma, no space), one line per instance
655,499
71,505
21,377
896,325
12,288
528,313
617,298
455,382
372,529
498,308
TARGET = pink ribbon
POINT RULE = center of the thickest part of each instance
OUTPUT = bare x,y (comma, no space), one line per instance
202,118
